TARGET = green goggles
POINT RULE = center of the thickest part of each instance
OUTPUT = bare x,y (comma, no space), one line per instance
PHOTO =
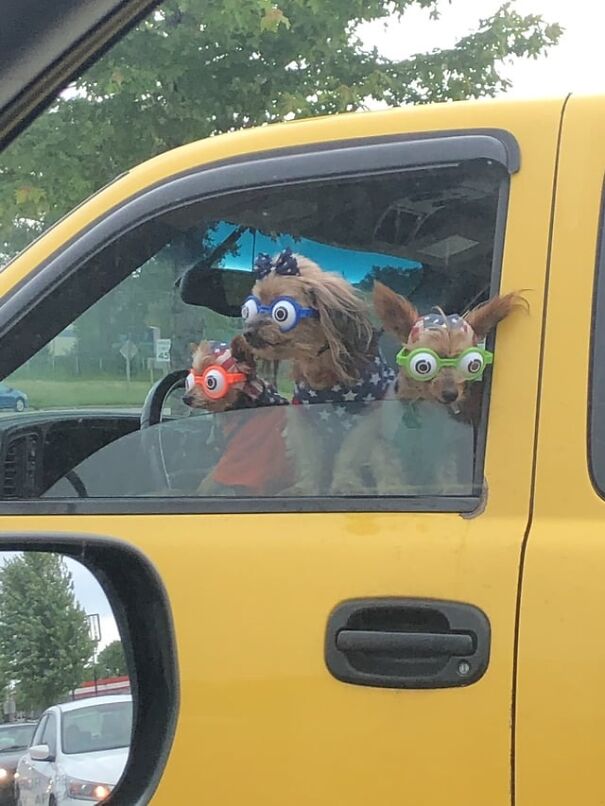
423,364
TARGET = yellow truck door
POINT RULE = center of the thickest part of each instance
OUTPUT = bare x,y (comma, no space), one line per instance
561,660
277,601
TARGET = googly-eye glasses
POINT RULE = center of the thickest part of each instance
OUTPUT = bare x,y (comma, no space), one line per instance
286,312
214,381
423,364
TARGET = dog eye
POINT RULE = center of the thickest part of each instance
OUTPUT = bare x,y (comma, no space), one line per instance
471,364
249,309
215,384
284,314
423,366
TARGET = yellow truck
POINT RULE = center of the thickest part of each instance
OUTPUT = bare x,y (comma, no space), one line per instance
361,648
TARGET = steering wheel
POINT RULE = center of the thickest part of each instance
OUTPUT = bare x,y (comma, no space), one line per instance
151,415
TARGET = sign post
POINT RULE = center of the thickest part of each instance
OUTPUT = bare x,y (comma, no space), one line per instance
128,351
94,628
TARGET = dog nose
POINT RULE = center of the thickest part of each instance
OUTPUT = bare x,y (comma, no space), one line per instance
449,395
188,400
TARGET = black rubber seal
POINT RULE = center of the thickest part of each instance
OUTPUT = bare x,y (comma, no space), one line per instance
142,611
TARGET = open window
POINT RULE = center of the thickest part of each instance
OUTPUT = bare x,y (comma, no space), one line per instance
115,353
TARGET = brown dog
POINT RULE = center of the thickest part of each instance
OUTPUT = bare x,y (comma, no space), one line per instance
449,337
223,381
315,318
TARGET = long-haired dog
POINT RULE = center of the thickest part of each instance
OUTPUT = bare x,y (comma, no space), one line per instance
315,319
253,461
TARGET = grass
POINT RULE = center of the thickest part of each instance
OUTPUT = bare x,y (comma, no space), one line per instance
44,394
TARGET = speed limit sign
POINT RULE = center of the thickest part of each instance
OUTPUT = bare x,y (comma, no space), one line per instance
162,349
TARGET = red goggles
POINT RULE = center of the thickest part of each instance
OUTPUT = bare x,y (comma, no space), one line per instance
214,381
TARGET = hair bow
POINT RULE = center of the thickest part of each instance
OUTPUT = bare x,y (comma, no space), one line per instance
285,264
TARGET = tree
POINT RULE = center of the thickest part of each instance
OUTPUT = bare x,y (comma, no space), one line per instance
111,661
44,637
194,68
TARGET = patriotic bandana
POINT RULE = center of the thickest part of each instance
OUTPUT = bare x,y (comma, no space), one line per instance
342,405
225,372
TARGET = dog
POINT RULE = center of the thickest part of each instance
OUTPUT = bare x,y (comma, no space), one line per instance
442,362
442,357
316,320
254,459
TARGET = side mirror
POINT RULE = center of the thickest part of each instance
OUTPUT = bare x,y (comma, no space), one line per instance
40,752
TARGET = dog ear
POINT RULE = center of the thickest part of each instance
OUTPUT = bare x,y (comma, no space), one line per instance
485,317
344,321
242,352
396,313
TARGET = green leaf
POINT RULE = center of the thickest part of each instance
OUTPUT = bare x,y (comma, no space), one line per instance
273,18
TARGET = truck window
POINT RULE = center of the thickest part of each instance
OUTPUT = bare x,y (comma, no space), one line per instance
432,235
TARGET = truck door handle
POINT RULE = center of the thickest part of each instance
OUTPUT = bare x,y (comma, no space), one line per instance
407,643
414,644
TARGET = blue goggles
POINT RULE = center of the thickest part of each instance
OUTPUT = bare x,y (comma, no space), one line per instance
286,312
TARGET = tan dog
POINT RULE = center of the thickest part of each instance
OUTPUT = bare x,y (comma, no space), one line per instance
314,318
449,336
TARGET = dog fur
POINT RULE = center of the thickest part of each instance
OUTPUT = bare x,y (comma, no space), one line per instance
332,350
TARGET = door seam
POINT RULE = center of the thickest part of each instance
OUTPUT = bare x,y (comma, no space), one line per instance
513,759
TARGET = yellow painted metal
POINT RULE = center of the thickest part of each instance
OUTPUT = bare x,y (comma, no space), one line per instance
261,720
561,692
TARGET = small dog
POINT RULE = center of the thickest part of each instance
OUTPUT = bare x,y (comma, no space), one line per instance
314,318
254,460
440,363
441,357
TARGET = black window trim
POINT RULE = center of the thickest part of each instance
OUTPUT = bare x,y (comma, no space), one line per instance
314,162
52,722
39,728
141,608
596,366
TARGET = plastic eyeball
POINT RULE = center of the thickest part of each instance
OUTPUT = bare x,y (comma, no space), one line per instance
471,364
423,366
249,309
284,314
215,383
190,381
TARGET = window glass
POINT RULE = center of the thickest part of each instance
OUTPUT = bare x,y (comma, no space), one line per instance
428,234
97,727
15,737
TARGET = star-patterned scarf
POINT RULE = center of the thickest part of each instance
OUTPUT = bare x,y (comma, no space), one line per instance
343,404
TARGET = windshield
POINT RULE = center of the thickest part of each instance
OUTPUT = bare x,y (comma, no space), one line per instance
97,727
15,737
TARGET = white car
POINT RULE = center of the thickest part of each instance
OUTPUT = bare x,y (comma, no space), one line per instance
77,754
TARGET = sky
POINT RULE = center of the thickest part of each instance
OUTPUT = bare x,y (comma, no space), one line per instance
575,64
92,598
89,594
